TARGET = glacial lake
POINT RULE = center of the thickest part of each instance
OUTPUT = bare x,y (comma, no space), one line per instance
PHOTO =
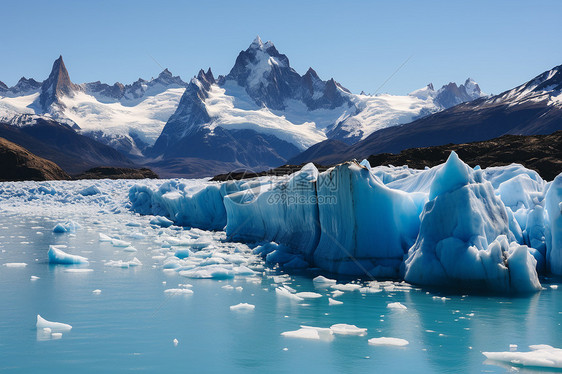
131,324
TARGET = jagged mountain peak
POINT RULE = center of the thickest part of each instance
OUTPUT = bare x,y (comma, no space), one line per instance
270,81
165,73
57,85
259,44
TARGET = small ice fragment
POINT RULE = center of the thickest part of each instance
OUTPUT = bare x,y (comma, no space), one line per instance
104,238
321,280
554,286
286,293
179,291
34,277
130,249
239,288
310,332
513,347
78,270
345,329
337,293
243,307
161,221
346,287
285,349
396,306
334,302
227,287
15,264
302,334
56,335
396,342
96,292
120,243
54,326
124,264
175,341
308,295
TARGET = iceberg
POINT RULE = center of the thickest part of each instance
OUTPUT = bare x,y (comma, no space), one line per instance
464,237
53,326
58,256
491,229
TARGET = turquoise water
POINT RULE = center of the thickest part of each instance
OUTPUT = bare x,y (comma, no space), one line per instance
131,325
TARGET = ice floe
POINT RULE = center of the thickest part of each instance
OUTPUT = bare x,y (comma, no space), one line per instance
540,356
396,342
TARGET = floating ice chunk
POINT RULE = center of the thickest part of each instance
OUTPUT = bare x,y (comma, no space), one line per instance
130,249
243,307
78,270
68,226
34,277
120,243
310,332
124,264
179,291
512,347
283,291
396,306
96,292
176,342
308,295
554,286
210,272
104,238
228,287
89,191
334,302
540,356
15,264
345,329
346,287
323,281
54,326
161,221
396,342
58,256
56,335
337,293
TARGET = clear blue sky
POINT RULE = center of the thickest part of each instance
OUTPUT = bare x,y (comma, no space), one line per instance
360,43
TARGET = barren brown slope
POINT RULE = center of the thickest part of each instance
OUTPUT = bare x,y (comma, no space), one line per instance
18,164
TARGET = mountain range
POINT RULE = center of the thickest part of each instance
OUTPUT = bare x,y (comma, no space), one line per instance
259,115
532,108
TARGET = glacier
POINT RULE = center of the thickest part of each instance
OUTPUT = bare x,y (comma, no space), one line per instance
493,229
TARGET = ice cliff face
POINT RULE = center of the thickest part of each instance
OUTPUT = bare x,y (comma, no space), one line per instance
451,225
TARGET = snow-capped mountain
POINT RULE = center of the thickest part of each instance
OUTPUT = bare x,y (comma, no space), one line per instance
263,97
533,108
126,117
258,115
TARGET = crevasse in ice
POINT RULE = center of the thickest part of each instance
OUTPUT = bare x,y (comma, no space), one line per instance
449,225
